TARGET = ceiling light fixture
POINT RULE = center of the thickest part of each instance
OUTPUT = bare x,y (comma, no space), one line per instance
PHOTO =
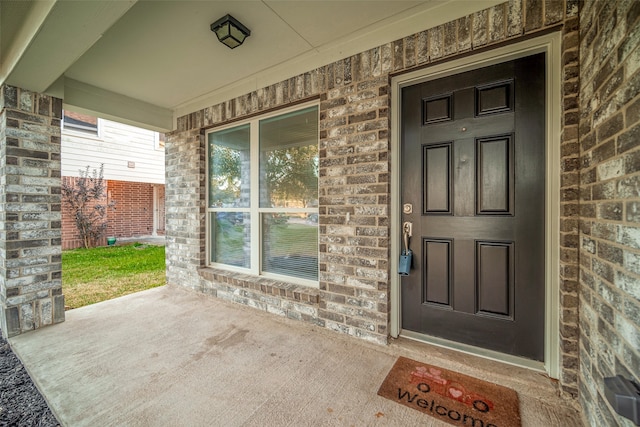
230,31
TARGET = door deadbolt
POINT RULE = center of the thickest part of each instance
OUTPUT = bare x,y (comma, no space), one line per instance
407,208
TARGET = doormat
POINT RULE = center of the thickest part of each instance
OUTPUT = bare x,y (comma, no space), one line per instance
449,396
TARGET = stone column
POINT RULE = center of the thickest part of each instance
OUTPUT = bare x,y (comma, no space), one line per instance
30,219
185,204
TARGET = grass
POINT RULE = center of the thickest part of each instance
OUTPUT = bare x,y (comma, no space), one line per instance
98,274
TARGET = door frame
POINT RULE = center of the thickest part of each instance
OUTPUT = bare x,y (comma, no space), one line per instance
551,45
156,209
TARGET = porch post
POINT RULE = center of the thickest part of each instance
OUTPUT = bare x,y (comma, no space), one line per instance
30,219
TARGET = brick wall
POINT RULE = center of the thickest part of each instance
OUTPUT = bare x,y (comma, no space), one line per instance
30,272
609,201
354,96
131,216
185,208
569,210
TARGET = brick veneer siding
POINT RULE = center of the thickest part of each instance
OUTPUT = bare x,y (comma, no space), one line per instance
30,252
185,207
131,216
569,180
354,97
609,201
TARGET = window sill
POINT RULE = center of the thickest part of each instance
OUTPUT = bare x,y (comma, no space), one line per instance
82,134
290,291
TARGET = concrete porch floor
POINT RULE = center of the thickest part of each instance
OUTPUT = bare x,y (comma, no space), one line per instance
170,357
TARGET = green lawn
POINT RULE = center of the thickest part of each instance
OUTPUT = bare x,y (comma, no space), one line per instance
98,274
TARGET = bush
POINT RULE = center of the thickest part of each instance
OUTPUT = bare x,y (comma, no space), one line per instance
84,198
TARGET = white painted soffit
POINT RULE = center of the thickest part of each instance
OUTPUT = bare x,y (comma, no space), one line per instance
18,27
88,99
117,59
411,21
53,36
163,53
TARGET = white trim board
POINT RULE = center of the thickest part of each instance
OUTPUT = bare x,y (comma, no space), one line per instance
551,45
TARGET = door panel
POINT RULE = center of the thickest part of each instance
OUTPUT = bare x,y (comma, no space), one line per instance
494,98
437,178
438,272
495,278
494,180
473,159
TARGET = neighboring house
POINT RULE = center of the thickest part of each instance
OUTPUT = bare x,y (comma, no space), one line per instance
133,160
506,133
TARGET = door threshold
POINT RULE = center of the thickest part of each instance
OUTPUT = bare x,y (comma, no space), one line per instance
522,362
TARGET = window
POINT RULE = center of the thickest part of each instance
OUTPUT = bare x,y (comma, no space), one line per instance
263,196
159,140
80,123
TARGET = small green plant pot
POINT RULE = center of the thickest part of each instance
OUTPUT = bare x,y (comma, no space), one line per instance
111,241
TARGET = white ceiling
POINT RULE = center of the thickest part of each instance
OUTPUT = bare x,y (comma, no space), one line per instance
147,62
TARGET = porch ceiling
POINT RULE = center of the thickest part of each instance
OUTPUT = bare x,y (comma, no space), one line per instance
147,62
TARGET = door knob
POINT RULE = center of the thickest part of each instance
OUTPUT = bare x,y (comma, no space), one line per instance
407,228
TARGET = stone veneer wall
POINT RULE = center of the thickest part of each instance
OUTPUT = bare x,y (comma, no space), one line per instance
354,97
30,251
609,201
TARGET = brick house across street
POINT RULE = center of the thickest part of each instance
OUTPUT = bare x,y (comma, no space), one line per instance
133,160
501,135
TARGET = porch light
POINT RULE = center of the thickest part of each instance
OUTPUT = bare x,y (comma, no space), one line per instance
230,31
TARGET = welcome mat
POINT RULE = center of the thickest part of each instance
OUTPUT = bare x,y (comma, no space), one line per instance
449,396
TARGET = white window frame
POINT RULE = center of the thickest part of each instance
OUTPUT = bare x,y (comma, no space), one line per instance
156,141
255,210
81,131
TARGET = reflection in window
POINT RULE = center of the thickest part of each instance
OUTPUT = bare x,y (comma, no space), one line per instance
289,180
160,140
80,122
277,202
229,168
290,244
231,238
289,160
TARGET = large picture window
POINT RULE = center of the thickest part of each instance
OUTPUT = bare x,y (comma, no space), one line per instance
263,196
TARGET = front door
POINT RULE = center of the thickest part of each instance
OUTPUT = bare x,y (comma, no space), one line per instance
473,180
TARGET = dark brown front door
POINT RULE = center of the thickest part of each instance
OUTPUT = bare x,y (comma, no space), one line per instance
473,171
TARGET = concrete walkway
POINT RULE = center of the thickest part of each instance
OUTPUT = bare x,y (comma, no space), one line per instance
170,357
149,240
